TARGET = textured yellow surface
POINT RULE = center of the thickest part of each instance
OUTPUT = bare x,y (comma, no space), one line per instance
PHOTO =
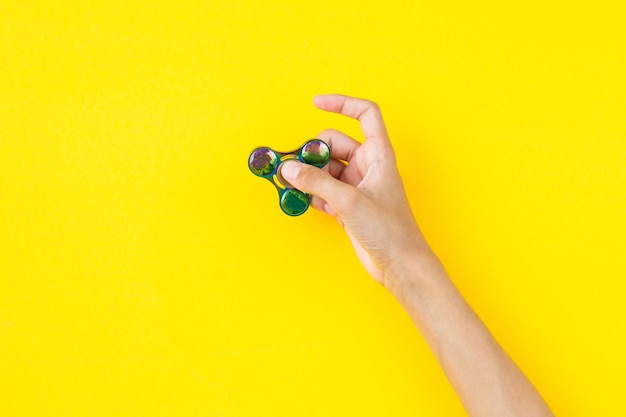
145,272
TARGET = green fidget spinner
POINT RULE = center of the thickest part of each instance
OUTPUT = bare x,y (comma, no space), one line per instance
264,162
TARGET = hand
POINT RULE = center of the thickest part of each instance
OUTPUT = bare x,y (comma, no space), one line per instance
362,189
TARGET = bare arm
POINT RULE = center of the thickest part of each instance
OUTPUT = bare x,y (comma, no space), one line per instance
484,377
362,189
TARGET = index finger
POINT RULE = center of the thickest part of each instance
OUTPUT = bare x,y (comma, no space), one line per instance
365,111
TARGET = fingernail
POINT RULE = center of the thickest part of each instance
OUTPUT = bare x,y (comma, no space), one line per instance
329,210
290,170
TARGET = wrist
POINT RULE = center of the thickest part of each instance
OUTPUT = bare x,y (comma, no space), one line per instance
414,271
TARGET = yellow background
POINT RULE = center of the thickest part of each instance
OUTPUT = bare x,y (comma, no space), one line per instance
145,272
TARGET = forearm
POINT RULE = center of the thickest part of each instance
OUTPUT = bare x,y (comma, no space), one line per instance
486,380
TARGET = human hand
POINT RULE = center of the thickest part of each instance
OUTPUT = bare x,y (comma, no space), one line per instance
361,187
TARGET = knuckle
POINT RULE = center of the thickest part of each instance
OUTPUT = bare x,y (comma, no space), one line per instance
369,109
328,133
372,105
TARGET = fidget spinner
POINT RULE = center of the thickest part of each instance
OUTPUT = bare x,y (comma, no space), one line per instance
264,162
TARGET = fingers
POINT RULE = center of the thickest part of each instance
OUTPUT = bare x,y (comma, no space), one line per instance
340,196
343,148
341,145
365,111
336,168
319,204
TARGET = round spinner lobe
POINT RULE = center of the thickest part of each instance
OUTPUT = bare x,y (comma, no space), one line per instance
315,152
294,202
263,162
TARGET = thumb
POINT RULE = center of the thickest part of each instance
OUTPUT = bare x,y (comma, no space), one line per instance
340,196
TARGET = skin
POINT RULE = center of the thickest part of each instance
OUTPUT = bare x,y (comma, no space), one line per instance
363,190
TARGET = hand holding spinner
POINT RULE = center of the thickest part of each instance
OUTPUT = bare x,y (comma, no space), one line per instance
264,162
